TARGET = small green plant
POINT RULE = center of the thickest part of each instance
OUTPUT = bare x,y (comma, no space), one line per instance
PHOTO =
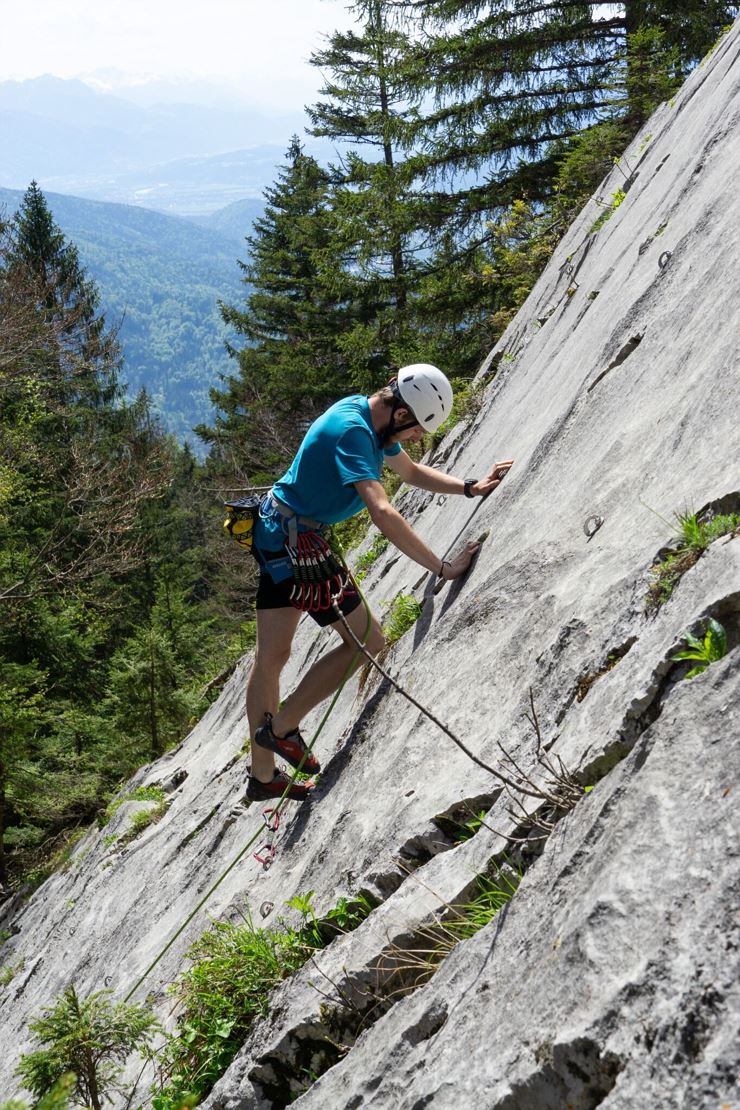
376,549
89,1037
234,969
140,794
460,831
693,538
708,650
8,972
404,613
698,534
618,197
142,820
304,904
493,895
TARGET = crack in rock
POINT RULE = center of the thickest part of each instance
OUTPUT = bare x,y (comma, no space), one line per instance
622,355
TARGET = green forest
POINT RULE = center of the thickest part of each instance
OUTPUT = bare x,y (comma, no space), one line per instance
470,135
160,279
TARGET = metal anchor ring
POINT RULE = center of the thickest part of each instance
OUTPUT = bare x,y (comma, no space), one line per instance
592,525
664,259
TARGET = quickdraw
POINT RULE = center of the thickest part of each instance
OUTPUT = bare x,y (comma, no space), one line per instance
318,574
266,853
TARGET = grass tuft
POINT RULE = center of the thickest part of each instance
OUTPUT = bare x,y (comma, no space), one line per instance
404,612
694,535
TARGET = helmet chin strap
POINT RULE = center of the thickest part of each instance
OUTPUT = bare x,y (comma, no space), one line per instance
391,428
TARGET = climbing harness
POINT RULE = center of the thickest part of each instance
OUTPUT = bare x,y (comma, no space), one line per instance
265,855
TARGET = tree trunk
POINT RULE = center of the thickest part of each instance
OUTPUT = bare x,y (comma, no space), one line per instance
396,251
3,865
92,1080
153,727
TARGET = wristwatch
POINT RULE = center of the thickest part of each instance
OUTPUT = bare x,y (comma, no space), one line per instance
468,483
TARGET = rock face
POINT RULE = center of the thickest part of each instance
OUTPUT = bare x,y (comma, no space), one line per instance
610,977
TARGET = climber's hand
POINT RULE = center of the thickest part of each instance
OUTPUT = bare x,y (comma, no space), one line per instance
455,568
487,485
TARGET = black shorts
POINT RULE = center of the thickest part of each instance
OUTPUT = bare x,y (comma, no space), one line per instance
276,595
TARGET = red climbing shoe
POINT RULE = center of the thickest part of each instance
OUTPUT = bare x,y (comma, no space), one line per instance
262,791
291,748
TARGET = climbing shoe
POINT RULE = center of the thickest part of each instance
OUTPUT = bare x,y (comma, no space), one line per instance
291,747
262,791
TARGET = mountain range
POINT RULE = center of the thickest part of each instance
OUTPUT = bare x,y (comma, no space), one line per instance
187,159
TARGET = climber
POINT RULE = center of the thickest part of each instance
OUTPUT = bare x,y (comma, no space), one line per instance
335,474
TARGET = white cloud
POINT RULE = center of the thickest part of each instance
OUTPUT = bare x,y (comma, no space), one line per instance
259,47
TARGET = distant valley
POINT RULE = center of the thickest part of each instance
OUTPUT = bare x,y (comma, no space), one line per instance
158,198
162,278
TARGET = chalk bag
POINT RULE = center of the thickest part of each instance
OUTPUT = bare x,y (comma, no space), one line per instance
241,517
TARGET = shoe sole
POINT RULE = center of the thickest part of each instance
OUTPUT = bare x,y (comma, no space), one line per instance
255,796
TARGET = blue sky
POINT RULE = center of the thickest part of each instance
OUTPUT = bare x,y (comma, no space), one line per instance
258,50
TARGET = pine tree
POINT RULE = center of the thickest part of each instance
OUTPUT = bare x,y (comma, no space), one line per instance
86,351
511,78
505,87
292,360
91,1038
365,105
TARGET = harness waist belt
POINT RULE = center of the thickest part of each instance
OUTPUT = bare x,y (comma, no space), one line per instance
289,514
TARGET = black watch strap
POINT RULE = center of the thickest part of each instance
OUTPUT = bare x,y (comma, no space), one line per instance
468,484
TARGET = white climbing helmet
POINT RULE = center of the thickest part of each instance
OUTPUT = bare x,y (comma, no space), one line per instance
426,391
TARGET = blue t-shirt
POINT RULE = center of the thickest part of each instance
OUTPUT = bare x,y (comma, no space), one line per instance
340,448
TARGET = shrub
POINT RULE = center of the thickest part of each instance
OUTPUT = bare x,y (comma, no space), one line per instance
90,1038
